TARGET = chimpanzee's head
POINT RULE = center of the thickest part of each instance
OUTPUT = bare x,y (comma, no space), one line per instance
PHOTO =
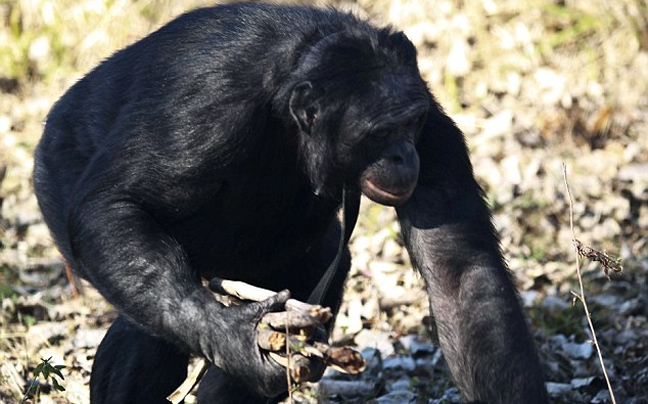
359,107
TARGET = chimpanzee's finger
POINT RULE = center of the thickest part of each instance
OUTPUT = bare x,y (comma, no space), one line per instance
275,302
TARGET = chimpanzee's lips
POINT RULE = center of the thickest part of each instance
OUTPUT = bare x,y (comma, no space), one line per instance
389,197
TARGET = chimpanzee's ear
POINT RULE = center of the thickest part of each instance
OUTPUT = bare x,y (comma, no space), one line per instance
303,107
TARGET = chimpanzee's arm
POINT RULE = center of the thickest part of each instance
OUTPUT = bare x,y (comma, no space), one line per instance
117,240
448,232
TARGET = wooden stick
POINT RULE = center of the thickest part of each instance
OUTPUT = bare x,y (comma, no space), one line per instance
304,318
342,359
299,324
271,340
245,291
297,321
190,382
345,360
298,365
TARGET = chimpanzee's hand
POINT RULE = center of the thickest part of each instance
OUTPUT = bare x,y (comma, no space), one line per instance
239,352
297,333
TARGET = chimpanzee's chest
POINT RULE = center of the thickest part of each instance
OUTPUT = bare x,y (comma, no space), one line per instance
256,236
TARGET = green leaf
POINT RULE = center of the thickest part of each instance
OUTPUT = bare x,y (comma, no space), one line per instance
56,371
38,370
57,386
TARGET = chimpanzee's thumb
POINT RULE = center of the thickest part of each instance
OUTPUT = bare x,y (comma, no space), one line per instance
276,302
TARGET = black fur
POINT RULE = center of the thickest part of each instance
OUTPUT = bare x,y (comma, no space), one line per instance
218,146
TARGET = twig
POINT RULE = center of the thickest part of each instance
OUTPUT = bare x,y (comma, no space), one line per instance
245,291
609,263
190,382
581,296
290,400
299,322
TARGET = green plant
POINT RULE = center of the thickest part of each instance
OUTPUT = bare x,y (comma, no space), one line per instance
49,373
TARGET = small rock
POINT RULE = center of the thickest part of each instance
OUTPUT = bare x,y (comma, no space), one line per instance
88,338
396,397
581,382
458,62
403,384
499,124
373,361
557,389
416,347
11,379
554,303
601,397
605,300
450,396
405,363
39,51
381,341
5,124
383,266
634,172
391,250
578,351
529,297
345,388
606,230
625,337
44,331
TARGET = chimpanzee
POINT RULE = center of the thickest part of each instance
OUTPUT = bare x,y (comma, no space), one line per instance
220,146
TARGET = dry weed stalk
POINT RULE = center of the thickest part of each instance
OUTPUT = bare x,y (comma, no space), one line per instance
607,262
288,382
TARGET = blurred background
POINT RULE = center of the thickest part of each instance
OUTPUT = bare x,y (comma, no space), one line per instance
534,85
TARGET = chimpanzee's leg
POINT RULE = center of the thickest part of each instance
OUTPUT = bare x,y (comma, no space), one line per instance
134,367
218,387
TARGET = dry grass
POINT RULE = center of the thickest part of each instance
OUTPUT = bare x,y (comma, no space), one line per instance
580,296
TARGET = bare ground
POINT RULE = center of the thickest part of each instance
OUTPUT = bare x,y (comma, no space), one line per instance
534,85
